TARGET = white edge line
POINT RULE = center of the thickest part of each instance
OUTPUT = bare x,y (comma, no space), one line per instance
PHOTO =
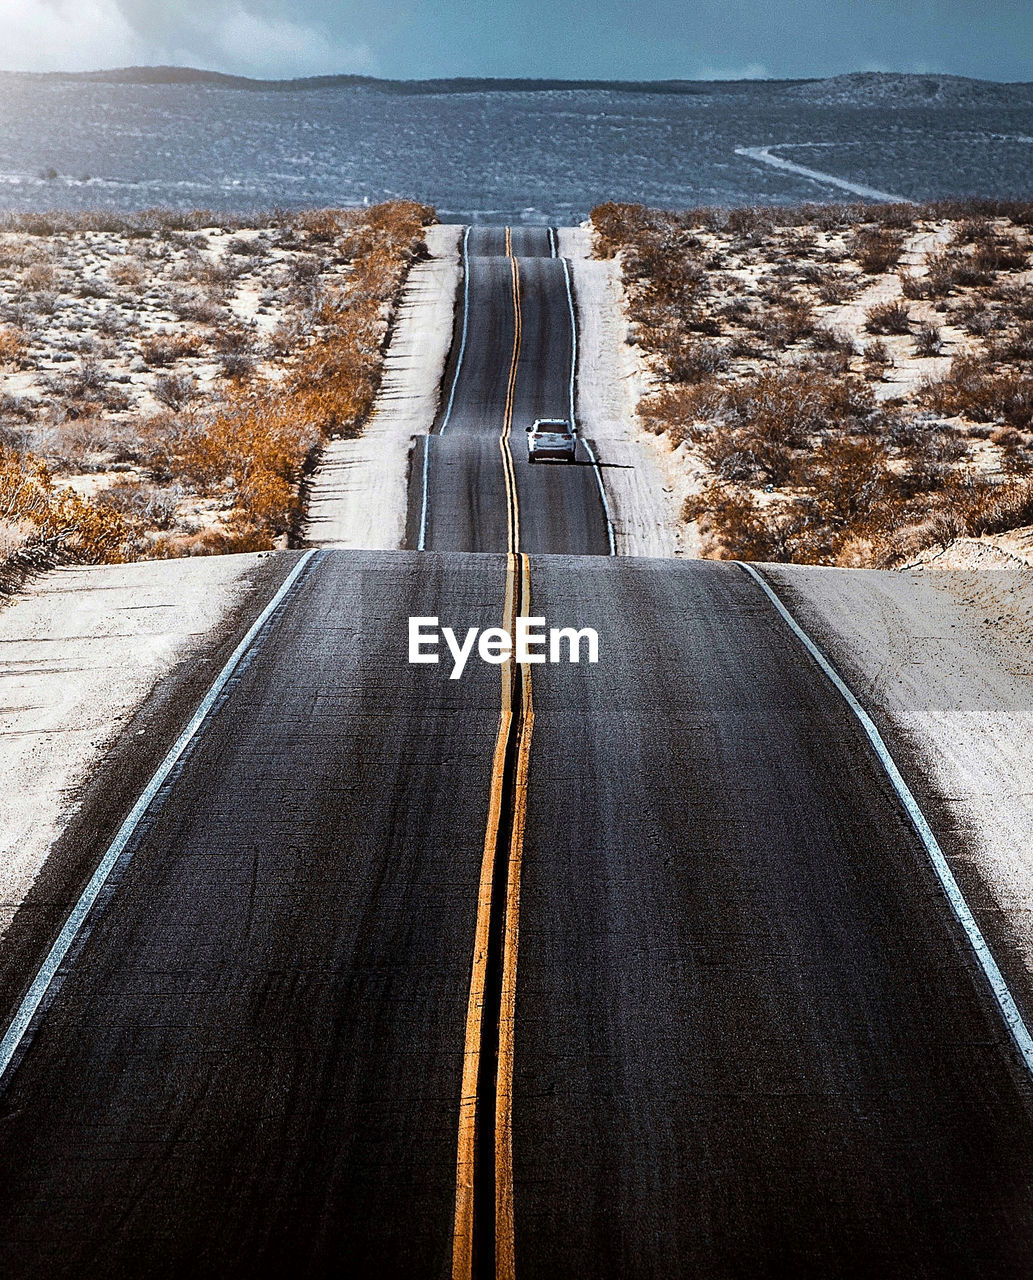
573,419
602,494
422,544
1005,999
466,321
48,970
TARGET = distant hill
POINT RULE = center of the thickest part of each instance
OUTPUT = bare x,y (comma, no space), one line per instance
216,79
859,89
893,89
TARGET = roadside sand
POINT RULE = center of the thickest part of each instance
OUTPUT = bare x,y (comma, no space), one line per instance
947,658
641,475
357,496
81,649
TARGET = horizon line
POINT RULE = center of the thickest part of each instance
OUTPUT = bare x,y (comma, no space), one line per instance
166,72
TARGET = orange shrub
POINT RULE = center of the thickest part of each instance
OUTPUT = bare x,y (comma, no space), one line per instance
58,522
12,346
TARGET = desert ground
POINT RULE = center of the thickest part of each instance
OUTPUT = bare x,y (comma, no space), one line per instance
836,385
167,380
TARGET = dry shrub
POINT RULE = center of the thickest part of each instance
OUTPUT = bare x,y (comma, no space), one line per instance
913,287
164,349
152,506
616,225
319,226
285,338
1016,300
128,274
836,288
232,538
877,249
825,338
754,429
198,307
254,445
888,317
996,508
973,389
242,456
849,506
1003,253
975,507
1017,346
689,360
335,378
55,522
928,340
877,359
845,481
38,278
951,269
972,230
174,391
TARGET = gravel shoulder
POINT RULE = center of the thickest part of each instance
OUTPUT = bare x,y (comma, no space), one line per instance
358,494
944,660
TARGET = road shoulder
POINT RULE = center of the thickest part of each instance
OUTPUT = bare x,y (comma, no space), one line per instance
644,492
101,668
358,494
943,661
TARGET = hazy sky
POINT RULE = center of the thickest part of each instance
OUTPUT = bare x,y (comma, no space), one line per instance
625,39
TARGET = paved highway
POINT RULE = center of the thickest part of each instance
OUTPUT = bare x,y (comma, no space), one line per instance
513,361
634,969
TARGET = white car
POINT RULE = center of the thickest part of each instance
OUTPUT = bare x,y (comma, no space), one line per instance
554,438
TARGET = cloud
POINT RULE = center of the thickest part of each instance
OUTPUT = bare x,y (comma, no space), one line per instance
77,35
753,71
247,37
271,47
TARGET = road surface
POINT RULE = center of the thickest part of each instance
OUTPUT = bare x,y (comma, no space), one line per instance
474,489
634,969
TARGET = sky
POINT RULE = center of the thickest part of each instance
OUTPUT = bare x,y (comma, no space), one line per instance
601,39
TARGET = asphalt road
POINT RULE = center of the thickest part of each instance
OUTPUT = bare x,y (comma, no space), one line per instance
516,366
633,969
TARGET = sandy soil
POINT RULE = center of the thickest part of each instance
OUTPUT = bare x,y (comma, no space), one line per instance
80,651
357,495
946,658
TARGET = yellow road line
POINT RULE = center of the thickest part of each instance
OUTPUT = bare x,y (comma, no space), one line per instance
509,475
463,1228
462,1240
505,1262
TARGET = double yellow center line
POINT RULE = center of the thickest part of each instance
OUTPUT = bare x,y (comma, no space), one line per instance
512,505
483,1238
